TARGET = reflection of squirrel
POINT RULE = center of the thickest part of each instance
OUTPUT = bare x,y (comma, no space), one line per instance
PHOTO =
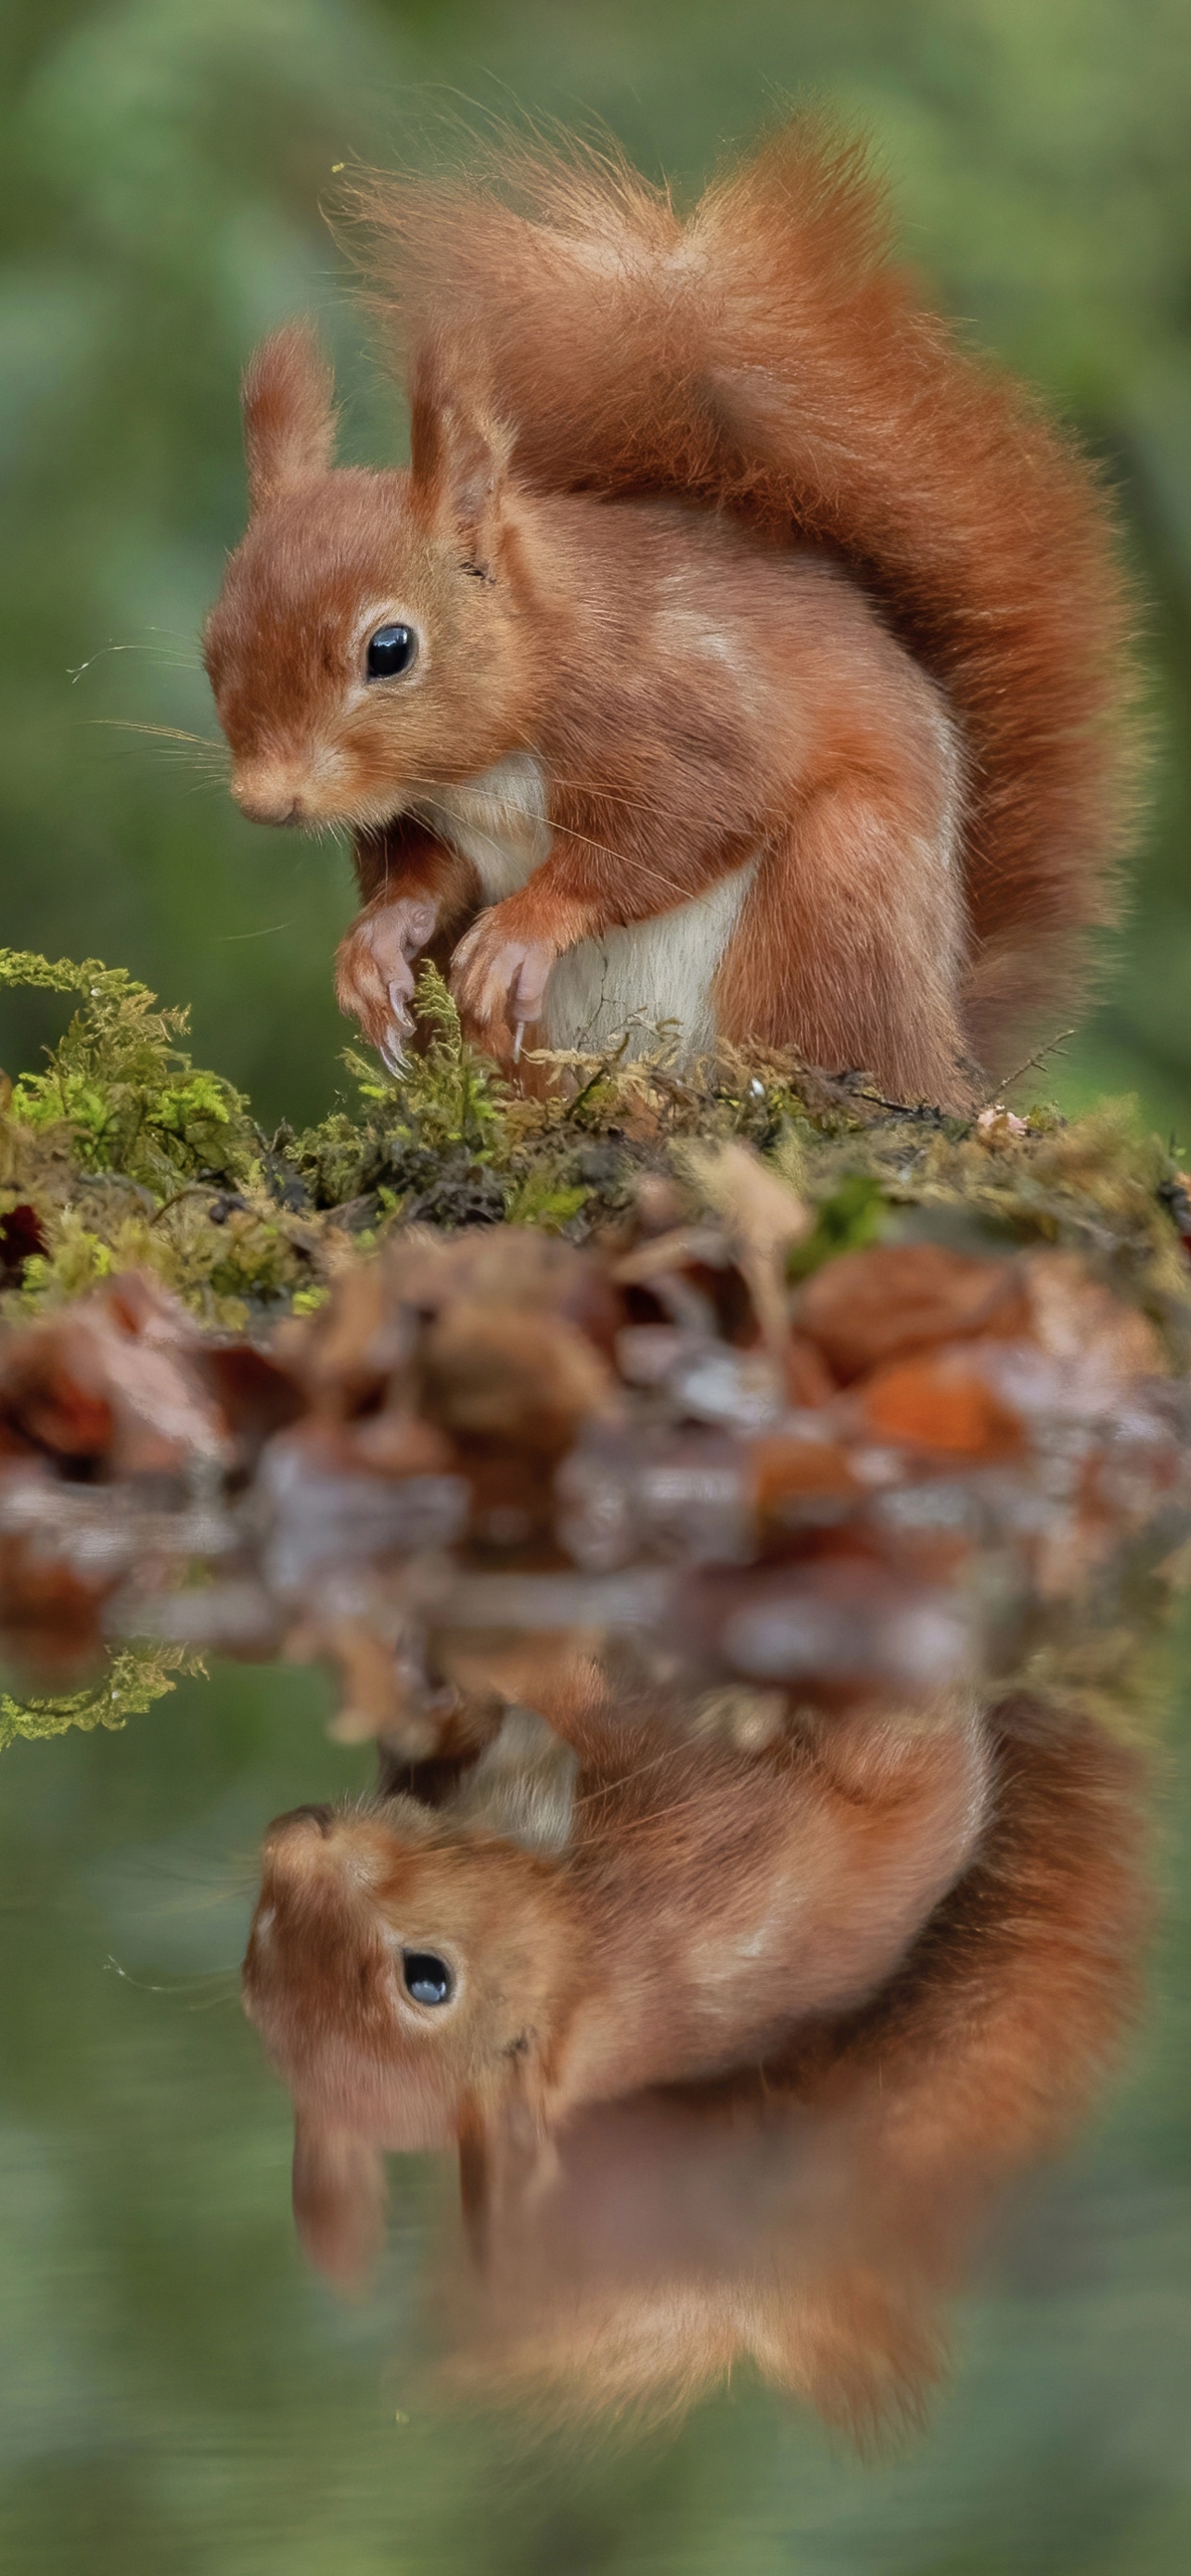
736,647
737,2047
810,2217
600,1904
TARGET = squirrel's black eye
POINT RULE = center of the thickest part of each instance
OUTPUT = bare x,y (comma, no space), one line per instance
392,650
427,1978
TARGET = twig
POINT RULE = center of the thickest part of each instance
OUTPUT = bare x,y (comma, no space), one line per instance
1032,1061
904,1108
601,1074
193,1190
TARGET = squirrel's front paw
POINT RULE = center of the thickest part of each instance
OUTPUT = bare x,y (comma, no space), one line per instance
499,980
374,980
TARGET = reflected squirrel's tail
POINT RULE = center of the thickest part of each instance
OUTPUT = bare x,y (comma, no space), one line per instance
766,358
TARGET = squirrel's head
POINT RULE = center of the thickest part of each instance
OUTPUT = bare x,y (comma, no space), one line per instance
366,641
409,1984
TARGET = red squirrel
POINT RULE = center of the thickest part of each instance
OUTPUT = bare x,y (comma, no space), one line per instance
810,2217
736,2046
602,1903
737,650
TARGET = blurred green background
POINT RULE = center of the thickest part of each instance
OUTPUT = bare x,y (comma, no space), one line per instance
175,2393
160,176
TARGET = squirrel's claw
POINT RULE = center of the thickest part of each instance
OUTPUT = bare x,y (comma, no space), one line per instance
374,978
500,982
390,1046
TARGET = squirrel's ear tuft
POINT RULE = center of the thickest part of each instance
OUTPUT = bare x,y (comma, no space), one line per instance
288,401
459,455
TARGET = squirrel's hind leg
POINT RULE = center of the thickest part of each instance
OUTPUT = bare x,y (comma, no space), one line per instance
849,949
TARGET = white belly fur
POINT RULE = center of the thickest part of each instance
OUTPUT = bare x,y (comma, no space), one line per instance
637,978
649,973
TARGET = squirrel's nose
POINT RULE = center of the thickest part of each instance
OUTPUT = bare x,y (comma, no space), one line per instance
295,1842
296,1819
268,797
292,813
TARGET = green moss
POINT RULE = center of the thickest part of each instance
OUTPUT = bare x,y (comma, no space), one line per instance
127,1153
128,1094
133,1678
848,1218
398,1138
542,1198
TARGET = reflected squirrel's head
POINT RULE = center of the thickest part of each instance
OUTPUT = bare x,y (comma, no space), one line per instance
411,1978
367,643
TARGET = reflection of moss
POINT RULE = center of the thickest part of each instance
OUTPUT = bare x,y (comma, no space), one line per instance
132,1679
847,1219
125,1153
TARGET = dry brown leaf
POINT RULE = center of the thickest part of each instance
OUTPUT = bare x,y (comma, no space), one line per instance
763,1219
501,1374
116,1379
869,1307
943,1402
1076,1319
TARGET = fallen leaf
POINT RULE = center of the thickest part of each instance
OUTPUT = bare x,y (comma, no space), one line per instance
1075,1318
763,1218
114,1378
940,1402
501,1374
873,1306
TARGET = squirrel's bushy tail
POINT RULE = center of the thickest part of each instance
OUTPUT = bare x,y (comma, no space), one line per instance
766,357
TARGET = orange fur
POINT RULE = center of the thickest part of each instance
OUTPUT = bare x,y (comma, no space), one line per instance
697,1903
809,2219
723,530
680,2148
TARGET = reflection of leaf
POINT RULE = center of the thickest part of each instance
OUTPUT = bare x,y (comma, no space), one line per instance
134,1677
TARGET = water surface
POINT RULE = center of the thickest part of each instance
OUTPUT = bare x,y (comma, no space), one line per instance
181,2392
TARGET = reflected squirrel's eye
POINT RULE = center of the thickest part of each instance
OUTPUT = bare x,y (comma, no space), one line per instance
392,650
427,1978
